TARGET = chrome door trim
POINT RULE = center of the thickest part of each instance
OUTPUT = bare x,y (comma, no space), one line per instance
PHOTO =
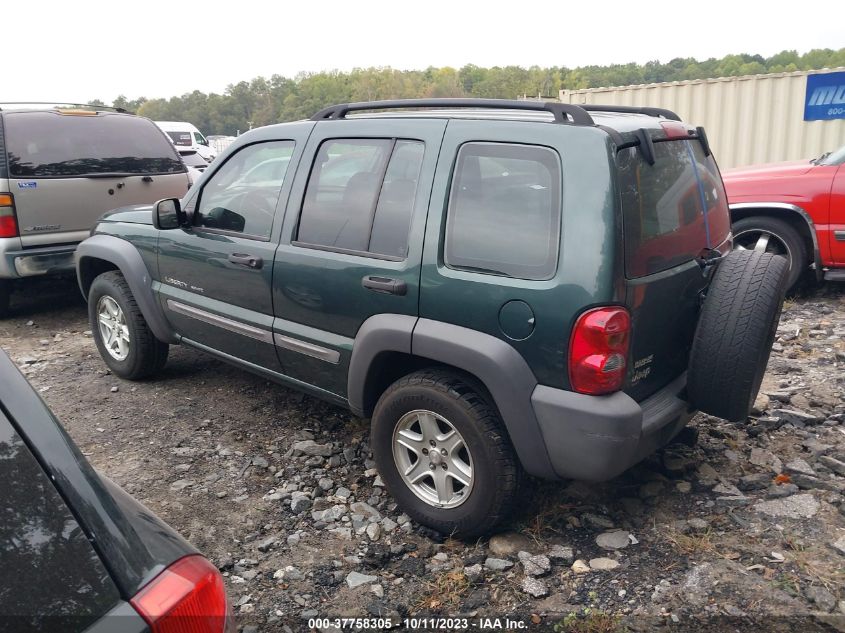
222,322
308,349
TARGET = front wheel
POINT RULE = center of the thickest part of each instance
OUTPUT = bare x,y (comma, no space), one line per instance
444,455
123,338
771,235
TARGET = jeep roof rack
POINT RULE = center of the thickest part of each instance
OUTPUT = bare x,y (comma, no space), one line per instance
562,112
647,110
61,104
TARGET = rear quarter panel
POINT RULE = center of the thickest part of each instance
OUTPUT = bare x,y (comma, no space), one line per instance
589,246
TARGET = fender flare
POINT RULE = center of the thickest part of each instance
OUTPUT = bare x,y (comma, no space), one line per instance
378,334
502,370
787,208
128,260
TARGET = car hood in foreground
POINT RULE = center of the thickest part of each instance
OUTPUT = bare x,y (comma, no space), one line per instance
132,542
134,214
768,171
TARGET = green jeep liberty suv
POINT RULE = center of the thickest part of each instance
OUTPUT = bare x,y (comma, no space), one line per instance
503,287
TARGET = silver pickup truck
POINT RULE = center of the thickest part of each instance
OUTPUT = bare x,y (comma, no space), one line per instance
60,170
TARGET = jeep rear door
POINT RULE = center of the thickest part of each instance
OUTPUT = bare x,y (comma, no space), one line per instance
352,240
672,211
68,168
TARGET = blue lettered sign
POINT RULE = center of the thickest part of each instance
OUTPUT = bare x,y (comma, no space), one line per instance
825,97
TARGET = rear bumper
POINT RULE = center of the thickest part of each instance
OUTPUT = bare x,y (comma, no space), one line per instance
595,438
18,262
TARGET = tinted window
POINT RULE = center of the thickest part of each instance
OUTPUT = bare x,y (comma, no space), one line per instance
193,159
44,144
360,195
504,210
181,139
241,196
672,209
56,580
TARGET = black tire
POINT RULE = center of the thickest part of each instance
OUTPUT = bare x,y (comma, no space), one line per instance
785,238
735,333
497,474
147,355
5,297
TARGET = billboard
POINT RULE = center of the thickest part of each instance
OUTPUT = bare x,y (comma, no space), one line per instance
825,97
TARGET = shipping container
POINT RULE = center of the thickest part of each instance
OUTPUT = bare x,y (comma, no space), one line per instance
750,119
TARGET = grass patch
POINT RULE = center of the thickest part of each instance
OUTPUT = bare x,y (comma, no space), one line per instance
589,621
445,591
691,544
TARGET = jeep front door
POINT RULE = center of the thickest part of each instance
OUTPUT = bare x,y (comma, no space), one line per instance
216,275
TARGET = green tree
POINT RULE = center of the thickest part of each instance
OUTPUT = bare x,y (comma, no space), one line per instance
262,101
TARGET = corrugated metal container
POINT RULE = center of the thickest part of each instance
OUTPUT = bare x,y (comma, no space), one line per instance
751,119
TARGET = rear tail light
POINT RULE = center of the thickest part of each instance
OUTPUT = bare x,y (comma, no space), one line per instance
187,597
598,350
8,221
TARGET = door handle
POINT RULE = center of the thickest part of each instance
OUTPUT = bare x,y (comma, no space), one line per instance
250,261
385,285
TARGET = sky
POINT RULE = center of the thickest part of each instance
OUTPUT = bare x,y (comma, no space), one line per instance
79,51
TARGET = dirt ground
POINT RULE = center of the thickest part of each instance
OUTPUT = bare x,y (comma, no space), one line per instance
741,530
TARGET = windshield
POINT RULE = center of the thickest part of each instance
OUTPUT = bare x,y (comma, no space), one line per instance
832,158
49,144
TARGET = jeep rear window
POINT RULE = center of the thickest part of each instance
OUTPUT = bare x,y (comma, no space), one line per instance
670,210
504,211
48,144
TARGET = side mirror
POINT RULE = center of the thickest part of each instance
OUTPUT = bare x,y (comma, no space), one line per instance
168,214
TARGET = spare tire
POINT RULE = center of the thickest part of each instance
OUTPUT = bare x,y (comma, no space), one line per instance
735,332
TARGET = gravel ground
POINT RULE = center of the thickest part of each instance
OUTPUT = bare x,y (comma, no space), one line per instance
740,528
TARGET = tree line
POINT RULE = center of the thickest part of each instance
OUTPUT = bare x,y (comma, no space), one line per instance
263,101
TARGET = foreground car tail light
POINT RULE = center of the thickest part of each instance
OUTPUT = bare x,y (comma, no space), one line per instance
8,221
598,350
187,597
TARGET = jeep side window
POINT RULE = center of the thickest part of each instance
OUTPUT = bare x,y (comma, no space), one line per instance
504,211
231,201
360,196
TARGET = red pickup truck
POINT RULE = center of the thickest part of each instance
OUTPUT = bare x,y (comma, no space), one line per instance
795,209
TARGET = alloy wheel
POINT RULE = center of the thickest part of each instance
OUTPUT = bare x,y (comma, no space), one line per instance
113,329
433,459
762,241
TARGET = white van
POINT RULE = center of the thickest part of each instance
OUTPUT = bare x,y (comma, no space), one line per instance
187,137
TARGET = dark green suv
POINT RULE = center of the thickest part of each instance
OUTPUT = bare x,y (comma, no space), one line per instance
504,287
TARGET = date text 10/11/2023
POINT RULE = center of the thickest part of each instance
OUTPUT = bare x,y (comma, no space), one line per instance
420,624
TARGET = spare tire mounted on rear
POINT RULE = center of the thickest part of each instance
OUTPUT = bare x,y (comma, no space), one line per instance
735,333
